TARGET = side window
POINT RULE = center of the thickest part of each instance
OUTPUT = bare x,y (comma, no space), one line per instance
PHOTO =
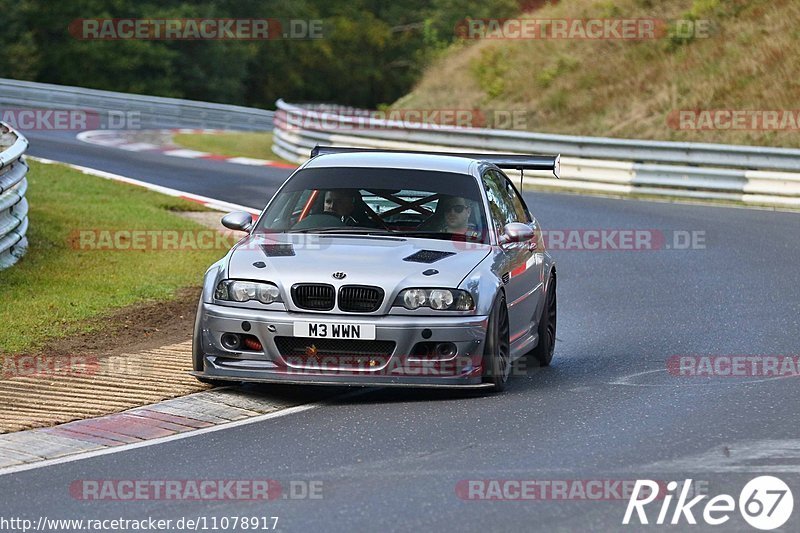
519,205
500,204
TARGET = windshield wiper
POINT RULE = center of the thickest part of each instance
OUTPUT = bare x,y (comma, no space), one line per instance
427,234
347,230
441,235
361,230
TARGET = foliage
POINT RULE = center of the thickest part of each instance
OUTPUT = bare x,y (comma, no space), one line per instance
371,51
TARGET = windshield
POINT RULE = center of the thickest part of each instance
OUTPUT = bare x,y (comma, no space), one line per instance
419,203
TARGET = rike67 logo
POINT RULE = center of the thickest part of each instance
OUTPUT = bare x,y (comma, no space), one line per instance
765,503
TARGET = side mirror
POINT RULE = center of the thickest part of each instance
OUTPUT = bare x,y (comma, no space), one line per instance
238,220
516,232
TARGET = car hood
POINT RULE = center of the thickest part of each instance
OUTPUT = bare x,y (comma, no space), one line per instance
287,259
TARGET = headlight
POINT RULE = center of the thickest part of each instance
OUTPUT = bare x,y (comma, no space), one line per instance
414,298
439,299
244,291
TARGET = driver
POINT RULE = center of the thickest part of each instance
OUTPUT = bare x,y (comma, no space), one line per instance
347,205
341,203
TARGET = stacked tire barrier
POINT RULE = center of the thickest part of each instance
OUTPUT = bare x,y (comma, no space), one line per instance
13,205
151,112
749,174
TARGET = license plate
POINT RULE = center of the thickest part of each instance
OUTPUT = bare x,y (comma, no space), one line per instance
334,330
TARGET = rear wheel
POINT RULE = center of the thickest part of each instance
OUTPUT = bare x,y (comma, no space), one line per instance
543,353
496,349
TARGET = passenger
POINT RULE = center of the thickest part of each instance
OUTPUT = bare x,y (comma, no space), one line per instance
457,211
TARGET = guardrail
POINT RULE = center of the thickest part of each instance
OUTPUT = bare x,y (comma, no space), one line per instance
153,111
13,205
750,174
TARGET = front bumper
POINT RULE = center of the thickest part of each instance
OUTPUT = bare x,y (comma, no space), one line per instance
391,368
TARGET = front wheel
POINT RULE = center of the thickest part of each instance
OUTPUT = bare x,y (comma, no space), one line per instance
496,350
543,353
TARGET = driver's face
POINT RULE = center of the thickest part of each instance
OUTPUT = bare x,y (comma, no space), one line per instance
457,212
339,202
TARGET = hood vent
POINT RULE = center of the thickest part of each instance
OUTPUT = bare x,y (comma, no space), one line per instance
427,256
278,250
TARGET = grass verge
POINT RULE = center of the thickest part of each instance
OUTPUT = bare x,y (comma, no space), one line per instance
58,287
257,145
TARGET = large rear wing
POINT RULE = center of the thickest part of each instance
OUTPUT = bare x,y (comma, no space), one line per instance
550,163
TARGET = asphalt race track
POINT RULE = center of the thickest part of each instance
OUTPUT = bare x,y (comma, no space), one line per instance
240,184
608,409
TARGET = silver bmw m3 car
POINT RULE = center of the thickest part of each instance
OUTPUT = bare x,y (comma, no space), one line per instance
374,267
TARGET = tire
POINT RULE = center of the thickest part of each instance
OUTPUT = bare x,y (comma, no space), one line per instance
197,341
496,349
543,353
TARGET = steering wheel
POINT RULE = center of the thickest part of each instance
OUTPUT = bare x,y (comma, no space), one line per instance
320,220
347,220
